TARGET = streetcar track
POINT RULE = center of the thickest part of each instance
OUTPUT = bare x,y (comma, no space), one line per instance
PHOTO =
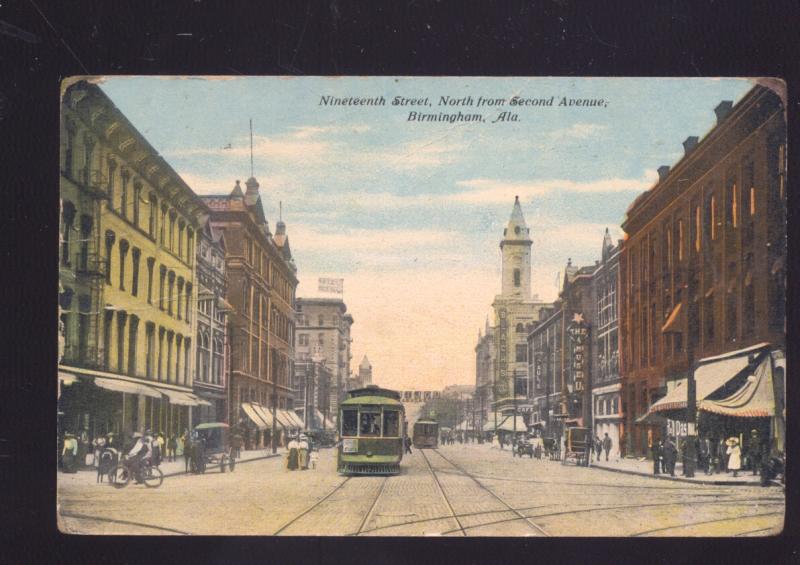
372,508
125,522
312,507
503,502
747,533
646,532
444,496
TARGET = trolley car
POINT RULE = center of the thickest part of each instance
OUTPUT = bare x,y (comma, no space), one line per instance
426,434
578,446
371,430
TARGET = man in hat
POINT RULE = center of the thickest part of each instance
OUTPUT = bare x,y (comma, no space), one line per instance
670,455
141,450
755,451
70,453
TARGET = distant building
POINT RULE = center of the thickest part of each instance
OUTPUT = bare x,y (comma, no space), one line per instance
324,329
365,372
485,358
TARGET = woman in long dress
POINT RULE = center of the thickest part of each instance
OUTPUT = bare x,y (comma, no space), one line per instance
734,453
292,456
302,453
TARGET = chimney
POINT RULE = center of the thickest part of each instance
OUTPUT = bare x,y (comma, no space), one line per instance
723,109
663,171
689,144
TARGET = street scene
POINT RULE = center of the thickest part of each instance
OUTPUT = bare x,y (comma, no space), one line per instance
510,307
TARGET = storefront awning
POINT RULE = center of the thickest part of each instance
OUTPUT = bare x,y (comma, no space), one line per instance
286,420
253,416
180,398
508,424
264,413
756,398
128,387
320,419
711,375
297,419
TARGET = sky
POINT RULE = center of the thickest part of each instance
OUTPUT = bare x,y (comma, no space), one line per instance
410,213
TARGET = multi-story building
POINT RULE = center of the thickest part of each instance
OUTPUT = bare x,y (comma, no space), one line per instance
128,237
702,270
312,392
364,372
212,366
262,279
324,329
485,355
514,309
606,386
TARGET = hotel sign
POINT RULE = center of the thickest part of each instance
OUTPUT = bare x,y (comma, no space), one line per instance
578,332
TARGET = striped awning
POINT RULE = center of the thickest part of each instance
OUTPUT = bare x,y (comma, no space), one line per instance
755,399
248,409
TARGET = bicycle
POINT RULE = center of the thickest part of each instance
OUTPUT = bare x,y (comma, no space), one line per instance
121,474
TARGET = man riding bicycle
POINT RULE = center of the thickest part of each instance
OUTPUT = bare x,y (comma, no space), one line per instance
141,452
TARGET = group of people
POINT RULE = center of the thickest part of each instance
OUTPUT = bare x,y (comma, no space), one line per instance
601,445
713,456
300,454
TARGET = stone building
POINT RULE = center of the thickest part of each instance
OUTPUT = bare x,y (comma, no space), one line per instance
364,372
514,309
324,328
485,355
702,270
212,365
127,276
262,279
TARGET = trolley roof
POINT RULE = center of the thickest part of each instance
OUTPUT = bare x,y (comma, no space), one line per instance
426,422
372,400
373,390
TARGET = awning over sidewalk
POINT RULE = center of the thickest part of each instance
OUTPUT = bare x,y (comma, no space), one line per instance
128,387
264,413
297,420
320,418
181,398
286,420
755,399
508,424
251,413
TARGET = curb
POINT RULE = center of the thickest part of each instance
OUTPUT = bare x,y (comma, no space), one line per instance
238,462
677,479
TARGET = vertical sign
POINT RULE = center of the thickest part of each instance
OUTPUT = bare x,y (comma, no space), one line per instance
503,334
578,331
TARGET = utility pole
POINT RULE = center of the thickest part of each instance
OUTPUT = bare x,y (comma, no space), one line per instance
689,462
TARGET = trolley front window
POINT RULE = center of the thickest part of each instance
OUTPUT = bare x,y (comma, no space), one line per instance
370,423
350,422
391,423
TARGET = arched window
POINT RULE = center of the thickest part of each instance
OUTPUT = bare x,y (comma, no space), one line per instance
517,277
153,215
520,328
123,252
67,221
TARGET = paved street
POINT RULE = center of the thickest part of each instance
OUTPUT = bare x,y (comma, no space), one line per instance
457,490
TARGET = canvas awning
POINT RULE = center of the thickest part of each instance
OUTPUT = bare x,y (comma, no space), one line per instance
320,418
128,387
756,398
508,424
181,398
253,416
264,413
296,419
286,420
711,375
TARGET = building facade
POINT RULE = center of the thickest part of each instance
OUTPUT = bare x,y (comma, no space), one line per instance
513,310
212,364
262,279
485,355
702,269
324,329
127,276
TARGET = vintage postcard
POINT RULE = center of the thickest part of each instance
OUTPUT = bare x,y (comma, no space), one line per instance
422,306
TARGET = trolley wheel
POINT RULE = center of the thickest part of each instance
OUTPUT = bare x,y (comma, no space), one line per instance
222,464
231,463
119,476
153,477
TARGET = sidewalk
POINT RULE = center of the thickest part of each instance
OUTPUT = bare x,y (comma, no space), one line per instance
170,468
644,467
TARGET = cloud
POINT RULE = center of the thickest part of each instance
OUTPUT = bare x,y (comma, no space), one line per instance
497,191
578,131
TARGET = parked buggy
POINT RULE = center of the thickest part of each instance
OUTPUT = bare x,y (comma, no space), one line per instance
523,447
551,448
211,446
578,445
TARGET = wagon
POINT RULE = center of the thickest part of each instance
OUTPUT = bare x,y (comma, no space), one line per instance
577,446
211,447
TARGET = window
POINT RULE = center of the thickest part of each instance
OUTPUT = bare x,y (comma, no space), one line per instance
517,277
170,337
123,203
121,318
181,227
151,228
150,264
112,168
137,196
521,353
350,422
67,221
180,294
150,331
87,161
303,339
321,320
188,303
190,247
123,252
160,370
110,237
680,240
172,216
321,339
86,233
108,320
697,229
178,346
84,311
391,423
369,423
711,218
187,347
135,254
162,273
69,150
732,211
163,223
171,282
133,335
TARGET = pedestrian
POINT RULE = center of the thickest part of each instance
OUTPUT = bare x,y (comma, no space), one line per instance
658,455
186,440
313,458
69,454
722,455
598,447
292,455
670,455
407,442
607,443
302,453
734,453
172,446
705,455
99,444
754,451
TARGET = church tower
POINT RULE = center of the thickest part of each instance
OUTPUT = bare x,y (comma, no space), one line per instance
516,248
